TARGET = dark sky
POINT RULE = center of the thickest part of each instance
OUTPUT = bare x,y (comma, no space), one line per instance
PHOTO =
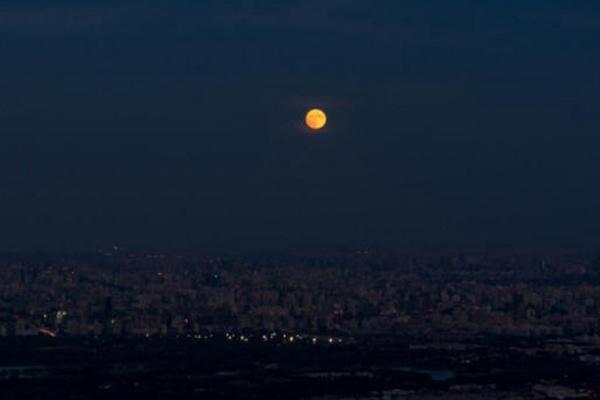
177,125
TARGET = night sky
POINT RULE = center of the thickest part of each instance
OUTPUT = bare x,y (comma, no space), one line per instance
178,126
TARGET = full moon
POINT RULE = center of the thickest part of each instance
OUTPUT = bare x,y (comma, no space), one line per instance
316,119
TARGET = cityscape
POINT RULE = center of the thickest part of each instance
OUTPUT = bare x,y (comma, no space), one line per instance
299,200
358,293
407,326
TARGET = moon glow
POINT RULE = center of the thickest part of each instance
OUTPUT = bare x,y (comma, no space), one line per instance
316,119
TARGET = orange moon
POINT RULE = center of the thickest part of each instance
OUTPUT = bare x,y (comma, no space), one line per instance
316,119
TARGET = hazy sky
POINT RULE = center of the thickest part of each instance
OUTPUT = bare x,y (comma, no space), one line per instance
178,125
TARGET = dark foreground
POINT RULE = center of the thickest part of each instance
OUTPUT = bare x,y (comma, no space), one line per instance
374,368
